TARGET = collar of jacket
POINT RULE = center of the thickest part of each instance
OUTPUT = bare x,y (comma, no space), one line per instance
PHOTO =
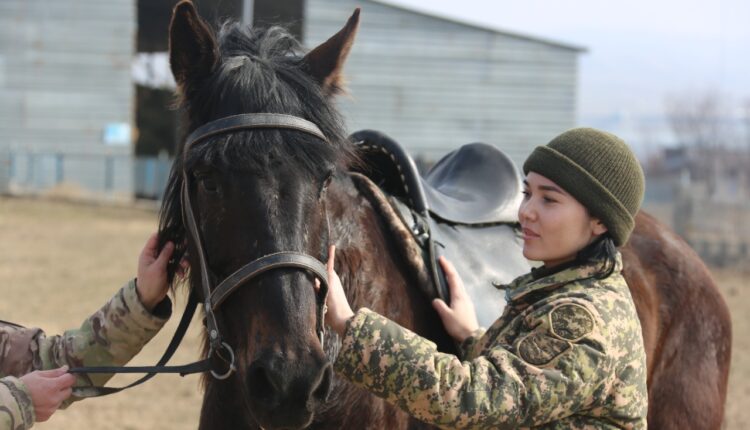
526,284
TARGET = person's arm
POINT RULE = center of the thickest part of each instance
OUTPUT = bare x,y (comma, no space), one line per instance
111,336
16,408
541,379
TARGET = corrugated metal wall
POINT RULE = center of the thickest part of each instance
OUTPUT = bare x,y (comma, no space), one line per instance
434,84
64,76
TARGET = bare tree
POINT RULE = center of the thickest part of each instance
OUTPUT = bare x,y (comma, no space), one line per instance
700,119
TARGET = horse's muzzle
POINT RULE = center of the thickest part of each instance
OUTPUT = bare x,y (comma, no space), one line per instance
286,393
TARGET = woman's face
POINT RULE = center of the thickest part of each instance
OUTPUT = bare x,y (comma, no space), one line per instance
555,225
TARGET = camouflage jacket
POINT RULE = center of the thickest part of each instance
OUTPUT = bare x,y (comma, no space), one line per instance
111,336
567,353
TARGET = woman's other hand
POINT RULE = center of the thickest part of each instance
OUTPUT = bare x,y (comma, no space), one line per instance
152,282
460,318
338,309
48,389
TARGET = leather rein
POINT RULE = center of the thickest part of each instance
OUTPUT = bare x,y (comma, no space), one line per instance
214,297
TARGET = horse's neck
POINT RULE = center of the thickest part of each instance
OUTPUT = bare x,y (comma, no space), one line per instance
370,267
373,277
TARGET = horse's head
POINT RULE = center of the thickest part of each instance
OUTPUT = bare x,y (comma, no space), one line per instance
254,192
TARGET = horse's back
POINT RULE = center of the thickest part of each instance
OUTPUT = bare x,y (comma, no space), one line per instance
686,328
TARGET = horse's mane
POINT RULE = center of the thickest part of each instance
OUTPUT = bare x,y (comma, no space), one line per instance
259,70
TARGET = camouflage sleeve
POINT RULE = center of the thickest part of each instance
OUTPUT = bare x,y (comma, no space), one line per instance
16,410
468,346
109,337
499,389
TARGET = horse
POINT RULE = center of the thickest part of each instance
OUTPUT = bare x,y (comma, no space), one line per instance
256,192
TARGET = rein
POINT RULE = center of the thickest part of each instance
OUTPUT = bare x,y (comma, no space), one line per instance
213,298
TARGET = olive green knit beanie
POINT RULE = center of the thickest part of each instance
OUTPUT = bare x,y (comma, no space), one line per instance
599,170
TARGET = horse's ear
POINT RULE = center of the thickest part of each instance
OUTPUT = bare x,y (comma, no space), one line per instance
193,52
326,62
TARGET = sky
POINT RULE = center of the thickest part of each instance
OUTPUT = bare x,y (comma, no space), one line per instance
639,52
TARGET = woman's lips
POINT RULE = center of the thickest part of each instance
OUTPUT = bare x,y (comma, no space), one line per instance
529,234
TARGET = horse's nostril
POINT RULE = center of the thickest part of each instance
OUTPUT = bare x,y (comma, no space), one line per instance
321,392
261,384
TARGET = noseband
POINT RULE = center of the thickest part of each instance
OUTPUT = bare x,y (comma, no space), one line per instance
213,298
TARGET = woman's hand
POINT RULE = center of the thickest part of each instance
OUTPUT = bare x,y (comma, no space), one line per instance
338,307
460,319
152,285
48,389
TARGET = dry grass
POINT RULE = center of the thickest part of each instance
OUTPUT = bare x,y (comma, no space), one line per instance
61,261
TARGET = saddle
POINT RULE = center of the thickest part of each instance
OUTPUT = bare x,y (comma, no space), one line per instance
465,209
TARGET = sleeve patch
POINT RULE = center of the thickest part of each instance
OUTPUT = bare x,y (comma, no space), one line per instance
571,322
539,348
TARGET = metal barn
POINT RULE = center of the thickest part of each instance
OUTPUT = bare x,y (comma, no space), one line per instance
66,95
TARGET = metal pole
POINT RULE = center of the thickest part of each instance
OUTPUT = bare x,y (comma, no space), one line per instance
59,168
247,12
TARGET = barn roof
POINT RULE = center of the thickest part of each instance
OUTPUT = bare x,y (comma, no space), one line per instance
394,4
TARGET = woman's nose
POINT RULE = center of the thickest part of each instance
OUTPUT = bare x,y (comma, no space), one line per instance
525,211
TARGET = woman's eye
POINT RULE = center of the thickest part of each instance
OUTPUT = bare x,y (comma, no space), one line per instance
526,194
549,200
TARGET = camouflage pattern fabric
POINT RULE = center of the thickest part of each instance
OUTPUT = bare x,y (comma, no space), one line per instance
109,337
567,353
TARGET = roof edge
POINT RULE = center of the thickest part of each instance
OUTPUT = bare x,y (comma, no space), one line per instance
481,26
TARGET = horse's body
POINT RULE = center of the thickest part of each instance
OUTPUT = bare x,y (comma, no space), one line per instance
686,328
262,191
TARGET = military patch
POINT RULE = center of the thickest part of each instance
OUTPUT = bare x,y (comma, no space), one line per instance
571,321
539,348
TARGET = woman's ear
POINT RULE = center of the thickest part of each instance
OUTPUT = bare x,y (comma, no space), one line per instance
597,228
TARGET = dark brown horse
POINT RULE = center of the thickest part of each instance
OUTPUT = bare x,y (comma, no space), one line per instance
256,192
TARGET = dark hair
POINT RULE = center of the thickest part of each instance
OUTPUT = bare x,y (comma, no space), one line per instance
601,250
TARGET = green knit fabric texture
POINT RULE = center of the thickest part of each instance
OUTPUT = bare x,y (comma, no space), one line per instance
599,170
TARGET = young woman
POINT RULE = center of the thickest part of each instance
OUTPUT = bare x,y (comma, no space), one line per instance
34,381
567,352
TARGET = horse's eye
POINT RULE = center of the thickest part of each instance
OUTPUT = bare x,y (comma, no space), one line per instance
209,184
207,181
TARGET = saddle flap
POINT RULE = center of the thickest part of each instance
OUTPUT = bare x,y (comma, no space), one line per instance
475,184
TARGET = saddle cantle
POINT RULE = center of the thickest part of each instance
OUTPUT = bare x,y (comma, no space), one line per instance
475,184
465,209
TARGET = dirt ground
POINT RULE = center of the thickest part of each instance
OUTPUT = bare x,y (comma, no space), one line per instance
60,261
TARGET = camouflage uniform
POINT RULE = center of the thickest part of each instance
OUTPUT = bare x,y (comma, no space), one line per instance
111,336
567,353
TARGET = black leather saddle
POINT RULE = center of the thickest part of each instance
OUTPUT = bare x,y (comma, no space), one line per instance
464,208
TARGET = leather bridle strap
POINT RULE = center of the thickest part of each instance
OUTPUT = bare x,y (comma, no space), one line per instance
278,260
268,262
196,367
250,121
225,125
192,227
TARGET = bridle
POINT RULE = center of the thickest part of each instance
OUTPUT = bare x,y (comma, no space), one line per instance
214,297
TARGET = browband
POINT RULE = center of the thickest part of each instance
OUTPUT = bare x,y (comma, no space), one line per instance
253,120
